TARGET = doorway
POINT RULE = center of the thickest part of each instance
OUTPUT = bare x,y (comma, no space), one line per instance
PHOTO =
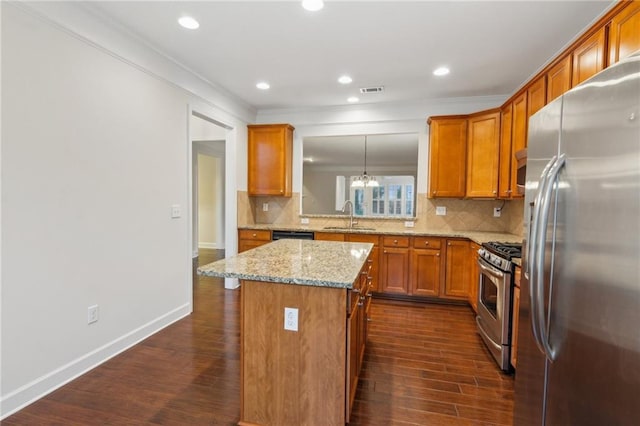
208,189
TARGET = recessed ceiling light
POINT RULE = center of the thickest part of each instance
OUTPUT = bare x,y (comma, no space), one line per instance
353,99
188,22
263,85
441,71
345,79
312,5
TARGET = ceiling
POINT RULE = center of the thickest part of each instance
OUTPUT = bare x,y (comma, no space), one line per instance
492,48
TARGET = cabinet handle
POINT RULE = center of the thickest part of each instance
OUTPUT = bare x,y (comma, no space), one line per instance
356,290
254,235
364,272
438,254
395,241
384,251
448,244
426,243
369,320
369,260
508,191
434,192
495,192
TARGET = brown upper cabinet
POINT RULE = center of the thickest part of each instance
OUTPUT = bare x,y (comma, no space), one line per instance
518,136
588,57
447,156
506,161
270,149
624,32
483,154
559,78
536,95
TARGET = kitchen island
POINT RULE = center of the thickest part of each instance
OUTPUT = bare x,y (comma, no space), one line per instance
304,310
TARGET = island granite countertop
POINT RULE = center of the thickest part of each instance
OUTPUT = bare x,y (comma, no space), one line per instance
302,262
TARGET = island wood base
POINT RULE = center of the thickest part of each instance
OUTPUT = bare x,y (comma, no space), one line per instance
289,377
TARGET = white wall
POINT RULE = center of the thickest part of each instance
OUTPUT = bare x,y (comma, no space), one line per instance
95,151
210,199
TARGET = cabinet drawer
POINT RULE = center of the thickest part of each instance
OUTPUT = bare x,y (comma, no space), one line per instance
363,238
426,242
254,234
395,241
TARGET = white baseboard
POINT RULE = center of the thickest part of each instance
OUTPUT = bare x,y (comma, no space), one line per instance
36,389
207,245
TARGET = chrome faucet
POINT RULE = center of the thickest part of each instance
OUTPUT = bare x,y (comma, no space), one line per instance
344,208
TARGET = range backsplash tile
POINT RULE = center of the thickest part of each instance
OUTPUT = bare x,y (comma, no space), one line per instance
462,215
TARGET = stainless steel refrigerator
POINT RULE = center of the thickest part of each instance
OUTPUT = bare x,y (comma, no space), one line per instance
579,323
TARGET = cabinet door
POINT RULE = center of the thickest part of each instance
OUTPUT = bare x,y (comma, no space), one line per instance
353,322
504,173
536,95
514,326
425,272
394,270
588,58
518,135
474,276
624,33
269,159
447,157
483,154
457,271
559,79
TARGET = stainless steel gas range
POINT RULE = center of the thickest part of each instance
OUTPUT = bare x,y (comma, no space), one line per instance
495,298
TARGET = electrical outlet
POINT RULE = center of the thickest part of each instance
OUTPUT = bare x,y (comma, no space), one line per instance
291,319
175,211
304,220
441,211
265,207
497,212
92,314
409,224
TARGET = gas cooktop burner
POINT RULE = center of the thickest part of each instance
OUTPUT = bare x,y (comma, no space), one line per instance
505,250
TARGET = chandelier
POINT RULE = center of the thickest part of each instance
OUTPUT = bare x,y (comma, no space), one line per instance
364,179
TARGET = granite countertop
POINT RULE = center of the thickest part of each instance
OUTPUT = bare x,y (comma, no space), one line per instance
302,262
477,237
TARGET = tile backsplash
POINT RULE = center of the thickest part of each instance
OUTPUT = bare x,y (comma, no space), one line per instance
461,215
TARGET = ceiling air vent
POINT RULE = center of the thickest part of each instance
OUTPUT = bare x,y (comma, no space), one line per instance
376,89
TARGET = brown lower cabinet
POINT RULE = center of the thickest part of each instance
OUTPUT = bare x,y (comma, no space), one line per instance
425,267
457,270
514,319
474,276
252,238
394,265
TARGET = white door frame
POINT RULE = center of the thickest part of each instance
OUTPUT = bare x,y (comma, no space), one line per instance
230,196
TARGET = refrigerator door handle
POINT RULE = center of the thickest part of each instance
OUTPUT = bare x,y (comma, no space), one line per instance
537,276
529,269
535,206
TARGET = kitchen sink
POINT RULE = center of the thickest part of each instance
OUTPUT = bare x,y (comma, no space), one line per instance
346,228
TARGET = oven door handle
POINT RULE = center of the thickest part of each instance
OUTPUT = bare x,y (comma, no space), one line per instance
482,329
492,271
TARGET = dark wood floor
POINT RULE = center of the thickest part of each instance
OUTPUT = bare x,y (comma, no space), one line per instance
424,365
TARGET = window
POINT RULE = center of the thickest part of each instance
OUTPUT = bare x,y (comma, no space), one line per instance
394,197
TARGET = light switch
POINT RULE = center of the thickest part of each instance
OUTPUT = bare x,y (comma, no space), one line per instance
176,212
